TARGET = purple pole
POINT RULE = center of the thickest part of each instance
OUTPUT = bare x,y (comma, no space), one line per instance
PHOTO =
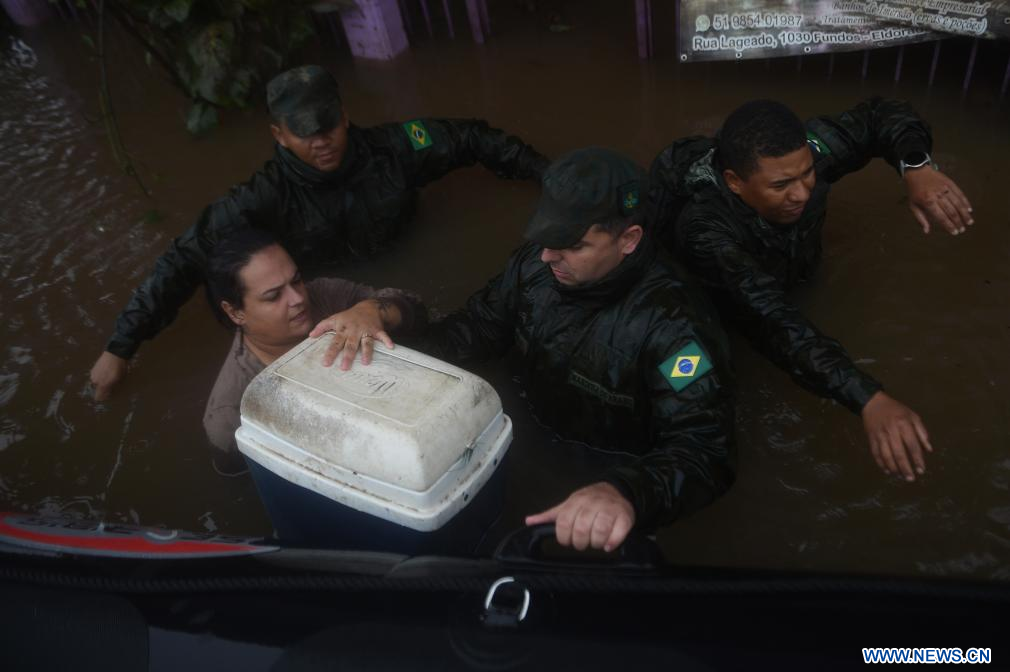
1006,80
427,17
73,10
448,19
936,61
971,66
485,19
473,13
866,63
648,10
901,59
642,29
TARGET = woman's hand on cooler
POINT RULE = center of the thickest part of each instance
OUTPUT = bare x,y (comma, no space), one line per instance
353,329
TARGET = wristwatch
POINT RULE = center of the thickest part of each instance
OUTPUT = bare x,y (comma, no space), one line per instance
913,160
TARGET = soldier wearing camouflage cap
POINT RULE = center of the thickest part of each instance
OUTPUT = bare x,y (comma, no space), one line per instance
616,351
332,191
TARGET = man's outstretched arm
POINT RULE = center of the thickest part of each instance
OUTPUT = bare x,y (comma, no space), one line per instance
153,306
458,143
894,131
485,328
177,273
812,359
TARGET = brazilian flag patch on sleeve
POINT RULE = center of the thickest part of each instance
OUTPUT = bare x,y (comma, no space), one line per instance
628,197
688,365
418,135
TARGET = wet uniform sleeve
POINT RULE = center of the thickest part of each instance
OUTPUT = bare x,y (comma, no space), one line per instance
335,295
485,328
431,148
692,458
878,127
663,202
779,329
180,270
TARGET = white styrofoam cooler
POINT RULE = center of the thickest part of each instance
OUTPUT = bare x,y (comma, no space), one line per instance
409,439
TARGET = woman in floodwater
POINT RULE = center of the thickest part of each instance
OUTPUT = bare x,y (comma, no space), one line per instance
256,290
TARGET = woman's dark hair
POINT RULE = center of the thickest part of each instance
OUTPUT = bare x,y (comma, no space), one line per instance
758,129
229,256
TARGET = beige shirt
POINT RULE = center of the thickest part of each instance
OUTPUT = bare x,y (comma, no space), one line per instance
327,296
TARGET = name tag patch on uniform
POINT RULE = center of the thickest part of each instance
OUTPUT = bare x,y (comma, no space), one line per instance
418,135
817,144
685,367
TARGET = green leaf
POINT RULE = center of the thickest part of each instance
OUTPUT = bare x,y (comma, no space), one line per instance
201,118
158,19
90,42
211,52
153,216
275,59
230,9
257,5
241,86
219,52
300,30
178,9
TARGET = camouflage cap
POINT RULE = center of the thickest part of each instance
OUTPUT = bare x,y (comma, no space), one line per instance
306,98
580,189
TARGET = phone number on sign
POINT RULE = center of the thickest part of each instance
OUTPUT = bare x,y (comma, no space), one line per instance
751,20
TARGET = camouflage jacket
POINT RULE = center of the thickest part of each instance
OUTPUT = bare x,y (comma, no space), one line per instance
323,218
635,362
749,264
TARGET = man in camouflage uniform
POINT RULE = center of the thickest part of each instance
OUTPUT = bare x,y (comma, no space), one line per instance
745,211
332,191
616,351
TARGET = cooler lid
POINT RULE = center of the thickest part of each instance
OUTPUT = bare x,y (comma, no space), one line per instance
405,419
392,387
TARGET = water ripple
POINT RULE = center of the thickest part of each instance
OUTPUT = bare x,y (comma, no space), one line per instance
8,387
1000,515
964,565
10,433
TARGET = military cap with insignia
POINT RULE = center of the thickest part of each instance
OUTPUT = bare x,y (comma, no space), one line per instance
306,98
582,188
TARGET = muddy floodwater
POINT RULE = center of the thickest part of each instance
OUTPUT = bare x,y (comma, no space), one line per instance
927,315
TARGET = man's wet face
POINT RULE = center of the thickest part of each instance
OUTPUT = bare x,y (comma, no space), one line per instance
780,187
323,151
598,253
